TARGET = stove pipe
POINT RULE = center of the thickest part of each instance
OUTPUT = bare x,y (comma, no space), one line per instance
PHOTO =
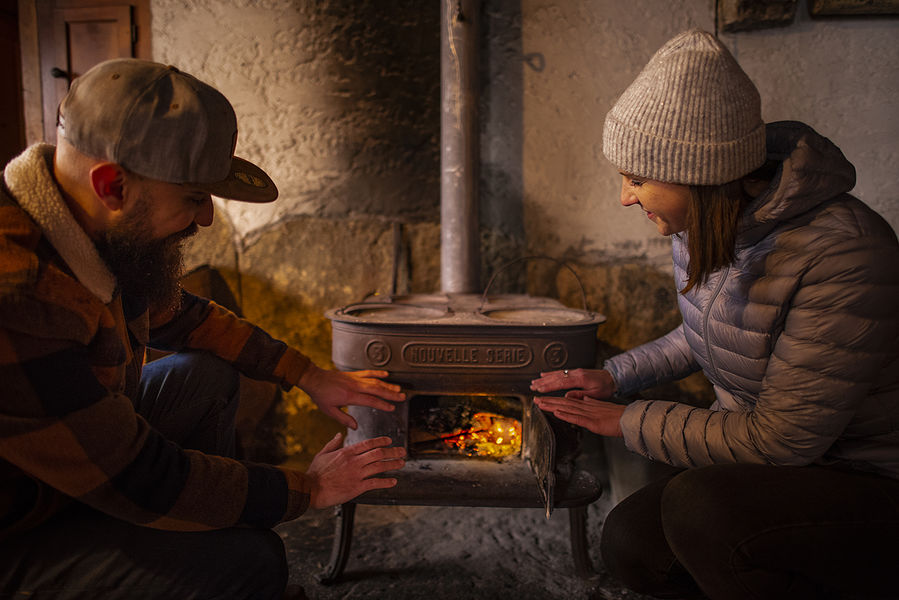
459,232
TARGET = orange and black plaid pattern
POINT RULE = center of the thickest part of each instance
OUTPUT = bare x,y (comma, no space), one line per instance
69,365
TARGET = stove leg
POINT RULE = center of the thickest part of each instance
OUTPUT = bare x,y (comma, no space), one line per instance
577,520
343,535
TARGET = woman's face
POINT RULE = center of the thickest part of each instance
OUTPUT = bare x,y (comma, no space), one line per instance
665,204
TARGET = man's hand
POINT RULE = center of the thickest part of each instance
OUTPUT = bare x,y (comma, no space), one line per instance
594,383
600,417
331,390
340,474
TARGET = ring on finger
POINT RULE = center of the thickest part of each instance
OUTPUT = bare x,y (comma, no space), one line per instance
565,372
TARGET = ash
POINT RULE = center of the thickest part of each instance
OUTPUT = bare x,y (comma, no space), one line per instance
457,553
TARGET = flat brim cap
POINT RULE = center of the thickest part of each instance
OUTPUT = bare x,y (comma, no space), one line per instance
245,182
161,123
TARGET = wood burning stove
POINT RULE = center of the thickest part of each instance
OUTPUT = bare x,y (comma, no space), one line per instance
472,433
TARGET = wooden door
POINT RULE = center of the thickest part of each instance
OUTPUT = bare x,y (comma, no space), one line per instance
77,35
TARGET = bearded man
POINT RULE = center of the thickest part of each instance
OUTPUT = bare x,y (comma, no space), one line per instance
118,479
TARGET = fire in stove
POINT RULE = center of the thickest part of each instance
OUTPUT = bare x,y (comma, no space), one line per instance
479,427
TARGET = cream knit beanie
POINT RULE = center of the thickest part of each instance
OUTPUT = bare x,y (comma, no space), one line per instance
692,116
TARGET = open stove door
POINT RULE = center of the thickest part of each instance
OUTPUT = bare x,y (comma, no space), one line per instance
540,452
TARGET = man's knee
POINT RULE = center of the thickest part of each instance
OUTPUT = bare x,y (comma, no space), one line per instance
265,554
253,564
193,370
215,375
192,399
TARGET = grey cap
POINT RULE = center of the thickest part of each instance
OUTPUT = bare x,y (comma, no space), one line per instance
163,124
692,116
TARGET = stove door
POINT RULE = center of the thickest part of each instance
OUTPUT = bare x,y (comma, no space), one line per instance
540,452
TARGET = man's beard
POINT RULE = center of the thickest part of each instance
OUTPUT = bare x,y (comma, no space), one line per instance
145,268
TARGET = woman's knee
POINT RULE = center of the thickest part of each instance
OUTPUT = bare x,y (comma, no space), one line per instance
706,515
706,499
633,547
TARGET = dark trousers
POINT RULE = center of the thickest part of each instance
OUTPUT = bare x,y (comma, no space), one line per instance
81,553
734,532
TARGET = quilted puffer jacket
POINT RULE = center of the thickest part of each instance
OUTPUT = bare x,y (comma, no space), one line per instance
799,336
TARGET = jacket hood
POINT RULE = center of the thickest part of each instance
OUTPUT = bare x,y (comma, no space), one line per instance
811,170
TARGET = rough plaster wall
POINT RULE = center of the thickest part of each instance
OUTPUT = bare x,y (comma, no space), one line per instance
326,98
839,75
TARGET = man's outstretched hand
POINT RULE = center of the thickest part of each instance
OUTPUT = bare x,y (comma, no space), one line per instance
339,474
331,390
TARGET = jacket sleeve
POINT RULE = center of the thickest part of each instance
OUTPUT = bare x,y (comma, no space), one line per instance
204,325
665,359
839,335
64,428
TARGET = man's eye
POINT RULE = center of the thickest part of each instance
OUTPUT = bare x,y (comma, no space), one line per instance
197,200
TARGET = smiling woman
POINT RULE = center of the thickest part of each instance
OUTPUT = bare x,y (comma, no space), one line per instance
709,212
665,204
787,286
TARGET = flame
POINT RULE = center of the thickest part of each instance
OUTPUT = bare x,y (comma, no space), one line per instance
488,435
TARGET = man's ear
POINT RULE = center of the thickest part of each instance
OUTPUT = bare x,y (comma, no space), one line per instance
108,182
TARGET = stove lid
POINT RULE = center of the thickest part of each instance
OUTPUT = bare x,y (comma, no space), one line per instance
505,310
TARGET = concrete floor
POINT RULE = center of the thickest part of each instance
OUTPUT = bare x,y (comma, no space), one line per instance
458,553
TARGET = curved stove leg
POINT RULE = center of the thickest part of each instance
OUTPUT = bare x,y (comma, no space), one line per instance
577,520
343,536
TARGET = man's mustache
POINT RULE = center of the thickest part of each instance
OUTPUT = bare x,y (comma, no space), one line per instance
189,231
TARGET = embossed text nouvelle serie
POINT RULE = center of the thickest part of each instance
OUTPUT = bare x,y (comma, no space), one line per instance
437,354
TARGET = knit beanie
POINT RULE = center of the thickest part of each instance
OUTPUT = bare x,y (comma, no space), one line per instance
691,117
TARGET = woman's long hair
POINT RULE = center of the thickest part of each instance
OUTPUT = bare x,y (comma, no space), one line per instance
712,218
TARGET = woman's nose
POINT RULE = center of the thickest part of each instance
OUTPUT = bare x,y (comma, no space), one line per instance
628,198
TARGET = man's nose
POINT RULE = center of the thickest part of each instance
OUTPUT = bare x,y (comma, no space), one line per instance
204,214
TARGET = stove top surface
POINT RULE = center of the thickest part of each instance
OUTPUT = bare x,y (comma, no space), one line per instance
503,310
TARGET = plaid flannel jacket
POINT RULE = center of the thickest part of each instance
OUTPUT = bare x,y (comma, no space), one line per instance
71,352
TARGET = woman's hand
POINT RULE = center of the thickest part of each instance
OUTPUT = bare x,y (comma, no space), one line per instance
594,383
332,390
600,417
338,475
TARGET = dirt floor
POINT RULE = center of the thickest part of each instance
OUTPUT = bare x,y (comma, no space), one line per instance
458,553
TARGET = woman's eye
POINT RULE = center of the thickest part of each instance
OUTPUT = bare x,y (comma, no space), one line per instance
636,182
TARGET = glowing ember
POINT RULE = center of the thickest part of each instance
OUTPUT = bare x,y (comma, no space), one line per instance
488,435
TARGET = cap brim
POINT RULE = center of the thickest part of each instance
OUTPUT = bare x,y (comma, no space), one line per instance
246,182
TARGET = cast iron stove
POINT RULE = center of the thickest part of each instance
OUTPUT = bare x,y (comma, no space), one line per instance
472,433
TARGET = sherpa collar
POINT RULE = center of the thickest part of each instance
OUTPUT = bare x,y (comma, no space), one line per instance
29,179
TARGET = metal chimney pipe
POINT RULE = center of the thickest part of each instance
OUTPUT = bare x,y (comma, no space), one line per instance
460,261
